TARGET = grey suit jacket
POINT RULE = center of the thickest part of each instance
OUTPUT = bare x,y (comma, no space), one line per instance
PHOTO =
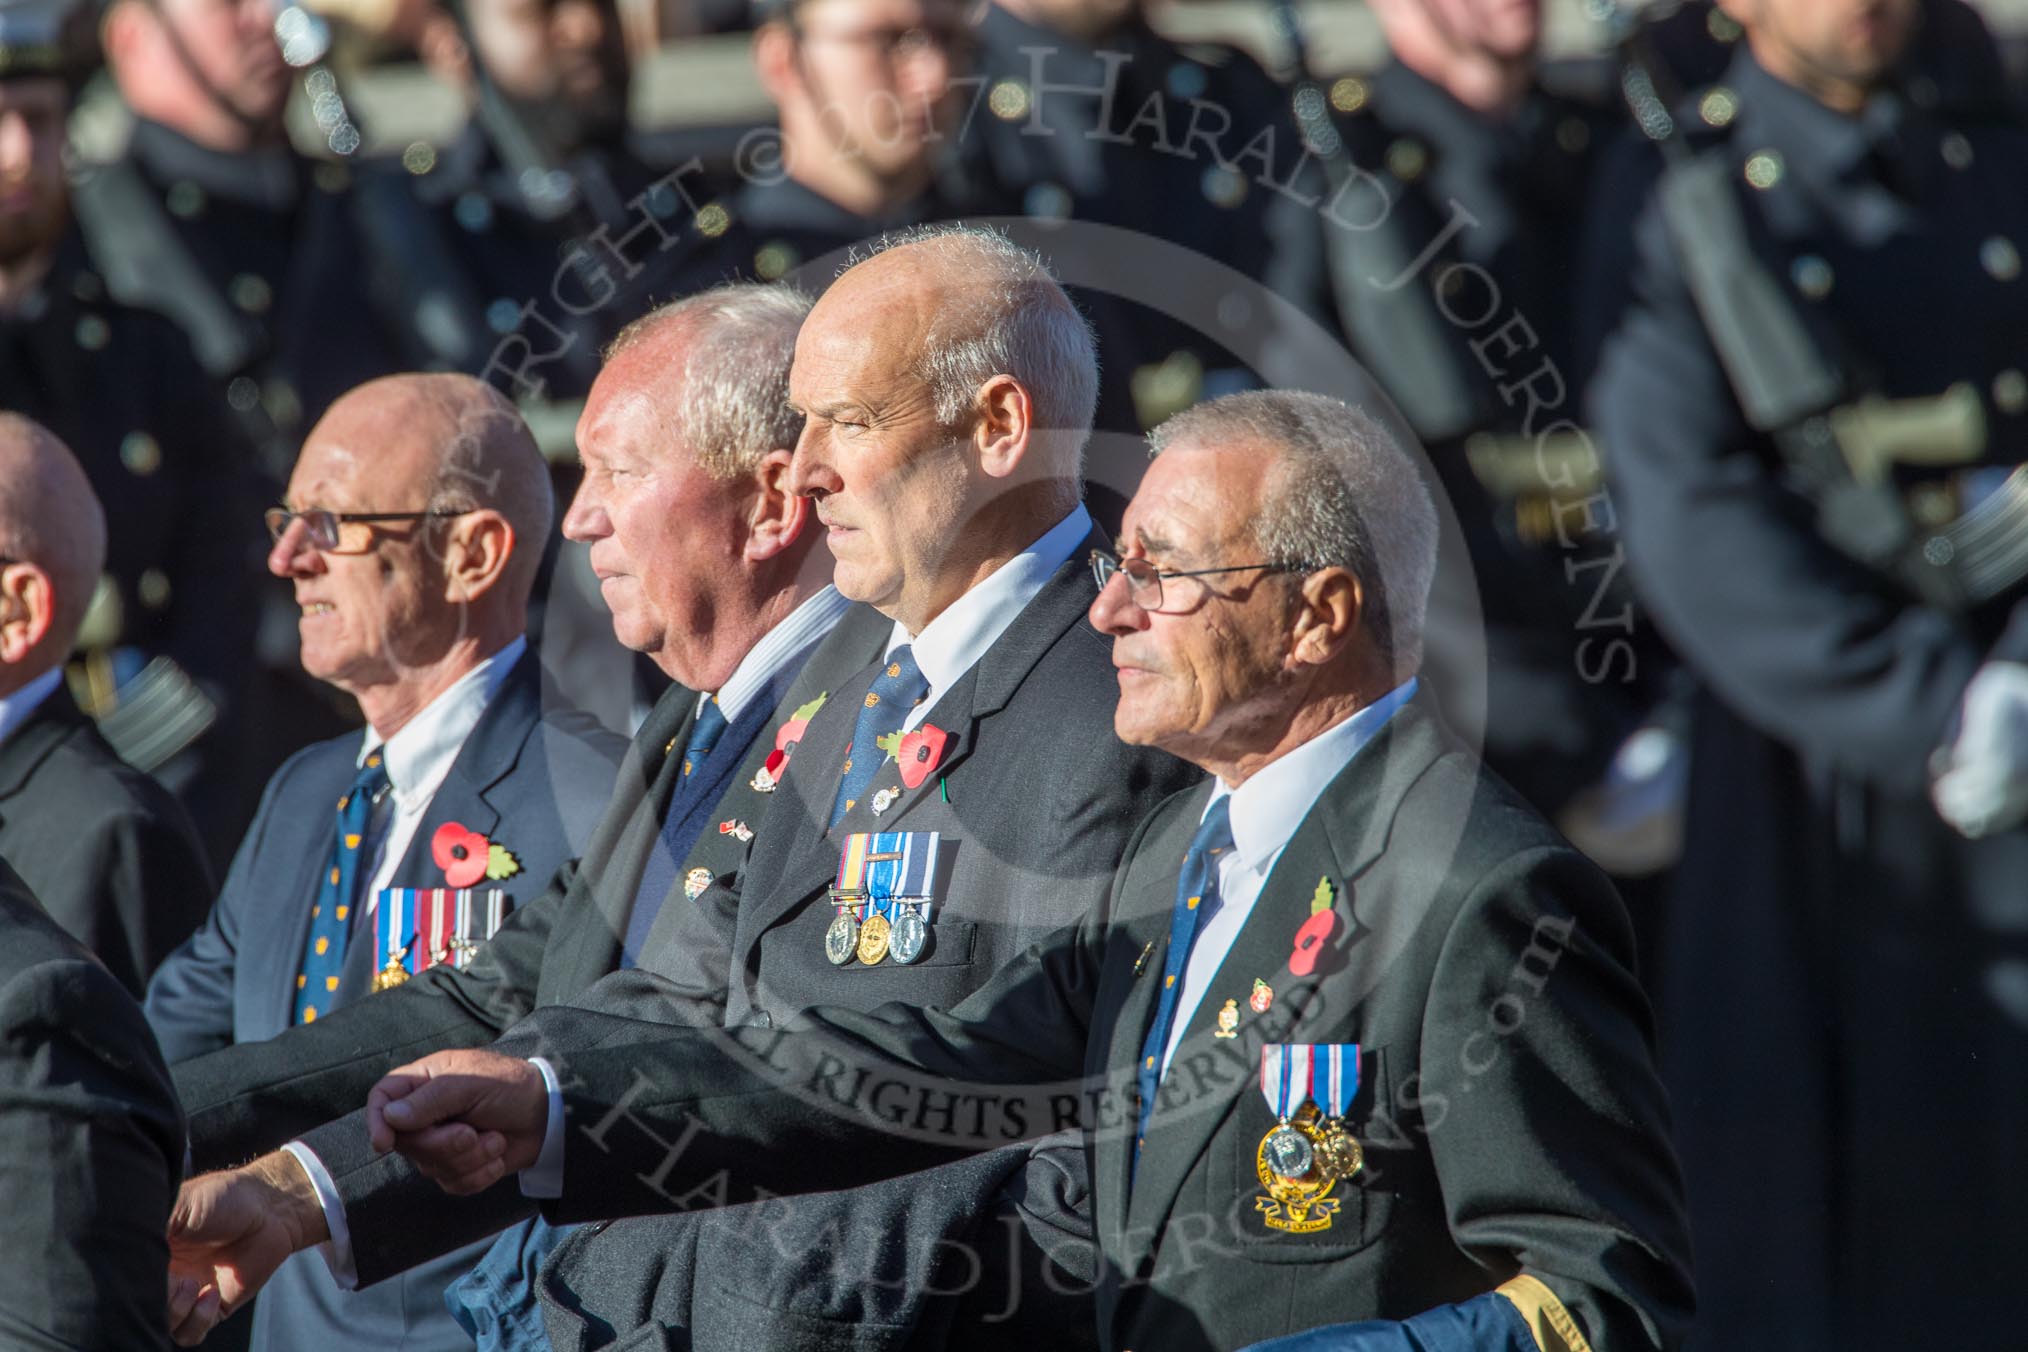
525,778
1034,798
1511,1115
104,848
91,1146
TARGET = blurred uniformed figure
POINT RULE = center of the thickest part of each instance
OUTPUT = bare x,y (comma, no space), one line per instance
863,91
1455,294
1086,113
163,654
1845,1001
212,217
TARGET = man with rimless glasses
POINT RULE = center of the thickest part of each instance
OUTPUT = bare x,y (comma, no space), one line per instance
411,529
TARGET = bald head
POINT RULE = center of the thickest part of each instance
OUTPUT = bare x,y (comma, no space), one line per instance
974,305
49,518
400,605
450,443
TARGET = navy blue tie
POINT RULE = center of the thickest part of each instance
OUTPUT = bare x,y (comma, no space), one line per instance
899,687
705,731
1196,896
659,874
337,893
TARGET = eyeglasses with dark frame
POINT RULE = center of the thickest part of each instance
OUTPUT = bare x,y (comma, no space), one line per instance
325,529
1144,580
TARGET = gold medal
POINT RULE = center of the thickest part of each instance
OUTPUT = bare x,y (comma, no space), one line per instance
392,975
873,940
1302,1204
1339,1154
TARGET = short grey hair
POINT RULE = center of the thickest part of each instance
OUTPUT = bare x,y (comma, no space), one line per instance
731,397
491,460
1016,320
1340,493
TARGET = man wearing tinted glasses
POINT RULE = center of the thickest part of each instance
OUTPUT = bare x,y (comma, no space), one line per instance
411,530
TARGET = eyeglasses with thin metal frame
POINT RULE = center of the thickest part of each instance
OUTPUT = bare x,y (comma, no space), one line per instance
325,529
1144,580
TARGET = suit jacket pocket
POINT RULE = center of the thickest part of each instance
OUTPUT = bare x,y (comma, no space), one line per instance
1349,1216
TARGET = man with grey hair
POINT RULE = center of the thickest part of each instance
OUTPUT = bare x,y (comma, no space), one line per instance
110,855
1355,1036
413,525
710,567
979,746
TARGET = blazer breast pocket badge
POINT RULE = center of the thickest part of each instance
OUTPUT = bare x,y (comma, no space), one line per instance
415,928
1309,1087
885,893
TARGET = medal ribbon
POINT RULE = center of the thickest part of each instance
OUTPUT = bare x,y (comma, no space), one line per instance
439,914
919,869
852,873
1334,1078
388,922
1295,1073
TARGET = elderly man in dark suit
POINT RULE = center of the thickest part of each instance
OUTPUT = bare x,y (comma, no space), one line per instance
415,522
1355,1040
104,848
947,387
91,1146
711,568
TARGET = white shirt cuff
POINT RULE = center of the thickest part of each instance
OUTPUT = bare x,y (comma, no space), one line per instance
544,1178
337,1250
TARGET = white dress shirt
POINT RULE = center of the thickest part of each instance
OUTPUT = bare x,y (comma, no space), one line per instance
952,644
16,708
1266,810
948,646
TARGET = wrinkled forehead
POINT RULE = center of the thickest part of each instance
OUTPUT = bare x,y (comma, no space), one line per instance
1196,497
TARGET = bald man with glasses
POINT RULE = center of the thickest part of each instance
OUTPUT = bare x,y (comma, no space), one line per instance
411,529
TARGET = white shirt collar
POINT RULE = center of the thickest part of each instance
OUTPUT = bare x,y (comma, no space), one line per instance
807,623
16,708
420,755
1267,809
954,641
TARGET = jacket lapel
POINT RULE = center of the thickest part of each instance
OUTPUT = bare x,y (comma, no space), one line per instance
1337,843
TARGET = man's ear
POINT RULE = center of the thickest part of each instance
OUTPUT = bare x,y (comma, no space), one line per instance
124,30
778,516
774,61
442,48
1006,422
476,554
27,610
1330,613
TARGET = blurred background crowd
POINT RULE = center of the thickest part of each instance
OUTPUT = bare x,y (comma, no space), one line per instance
1715,347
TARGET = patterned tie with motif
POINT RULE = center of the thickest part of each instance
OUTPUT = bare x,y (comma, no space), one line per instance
324,956
899,687
1196,897
705,731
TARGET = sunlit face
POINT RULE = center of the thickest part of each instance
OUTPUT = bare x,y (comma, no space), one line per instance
368,617
1200,677
564,59
33,115
878,74
232,45
666,538
1822,44
892,487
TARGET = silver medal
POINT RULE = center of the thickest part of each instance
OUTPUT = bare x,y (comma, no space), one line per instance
1289,1153
910,937
841,941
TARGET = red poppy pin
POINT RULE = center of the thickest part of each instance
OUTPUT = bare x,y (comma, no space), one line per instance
466,856
787,738
1316,931
920,752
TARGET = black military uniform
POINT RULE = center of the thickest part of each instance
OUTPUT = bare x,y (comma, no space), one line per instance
259,257
1846,1000
1484,231
120,388
1066,131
